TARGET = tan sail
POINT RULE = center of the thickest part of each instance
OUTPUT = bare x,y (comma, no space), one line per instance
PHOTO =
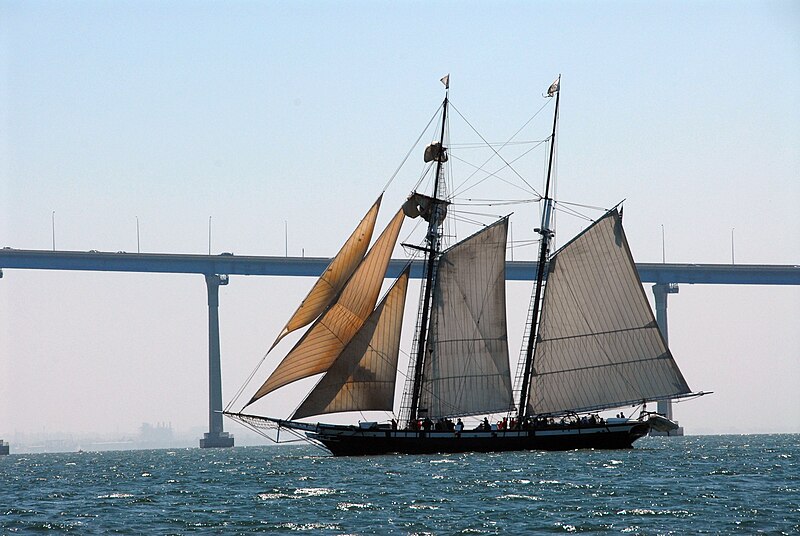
598,344
330,333
335,275
467,370
363,376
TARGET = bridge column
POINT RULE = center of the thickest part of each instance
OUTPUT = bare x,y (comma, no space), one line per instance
215,437
660,292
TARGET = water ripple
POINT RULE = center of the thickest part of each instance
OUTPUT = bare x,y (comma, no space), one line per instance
724,484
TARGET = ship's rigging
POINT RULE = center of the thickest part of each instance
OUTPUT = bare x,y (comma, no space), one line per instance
591,341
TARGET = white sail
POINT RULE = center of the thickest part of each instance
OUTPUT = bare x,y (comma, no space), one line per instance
598,344
363,376
326,338
466,370
335,275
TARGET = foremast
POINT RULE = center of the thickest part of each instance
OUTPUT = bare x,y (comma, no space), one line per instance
544,250
432,252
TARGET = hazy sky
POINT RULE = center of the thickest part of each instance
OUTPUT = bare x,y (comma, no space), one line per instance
262,114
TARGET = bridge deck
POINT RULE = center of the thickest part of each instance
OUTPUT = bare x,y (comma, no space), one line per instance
725,274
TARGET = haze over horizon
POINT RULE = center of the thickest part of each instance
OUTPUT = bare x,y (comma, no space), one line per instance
270,116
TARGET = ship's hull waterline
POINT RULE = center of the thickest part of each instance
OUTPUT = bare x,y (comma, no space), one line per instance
357,441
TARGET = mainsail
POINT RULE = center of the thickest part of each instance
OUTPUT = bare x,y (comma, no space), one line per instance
363,376
467,371
335,275
598,344
330,333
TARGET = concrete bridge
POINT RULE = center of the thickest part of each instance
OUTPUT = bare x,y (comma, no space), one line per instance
217,268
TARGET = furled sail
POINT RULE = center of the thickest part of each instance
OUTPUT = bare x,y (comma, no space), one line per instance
363,376
422,205
335,275
598,344
466,370
323,342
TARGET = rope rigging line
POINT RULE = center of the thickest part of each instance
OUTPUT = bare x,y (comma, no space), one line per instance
425,173
489,174
462,216
592,207
572,212
418,222
245,384
463,219
493,144
495,150
484,214
408,154
524,243
468,201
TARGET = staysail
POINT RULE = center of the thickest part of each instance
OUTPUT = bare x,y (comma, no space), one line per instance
598,344
363,376
335,275
466,370
323,342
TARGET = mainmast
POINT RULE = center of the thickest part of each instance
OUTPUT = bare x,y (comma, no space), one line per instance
546,234
432,251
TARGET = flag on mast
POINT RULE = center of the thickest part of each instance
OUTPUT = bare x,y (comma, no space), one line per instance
446,81
554,87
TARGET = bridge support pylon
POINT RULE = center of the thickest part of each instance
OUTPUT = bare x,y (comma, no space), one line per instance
660,292
215,437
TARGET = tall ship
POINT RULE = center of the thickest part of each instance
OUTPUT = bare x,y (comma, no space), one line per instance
591,342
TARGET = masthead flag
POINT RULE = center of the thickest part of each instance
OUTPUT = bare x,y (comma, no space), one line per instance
554,87
446,81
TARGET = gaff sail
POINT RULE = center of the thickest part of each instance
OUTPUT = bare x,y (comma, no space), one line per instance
466,370
598,344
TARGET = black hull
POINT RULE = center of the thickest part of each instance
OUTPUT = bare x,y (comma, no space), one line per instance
354,441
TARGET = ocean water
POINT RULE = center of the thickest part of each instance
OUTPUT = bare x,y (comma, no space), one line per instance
704,484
